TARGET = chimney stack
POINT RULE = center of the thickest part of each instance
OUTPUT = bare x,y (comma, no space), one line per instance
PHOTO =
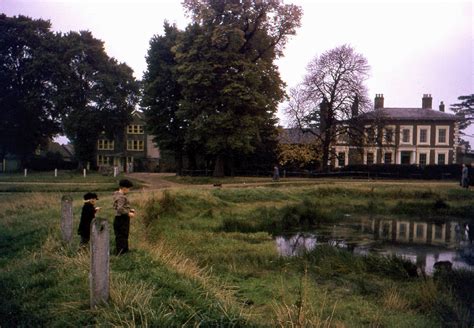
441,107
427,102
378,102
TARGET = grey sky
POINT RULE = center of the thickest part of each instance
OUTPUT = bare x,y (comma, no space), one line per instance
414,47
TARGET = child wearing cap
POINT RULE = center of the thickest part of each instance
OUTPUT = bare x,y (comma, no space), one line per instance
123,213
87,215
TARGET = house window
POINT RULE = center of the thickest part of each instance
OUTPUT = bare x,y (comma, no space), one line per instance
103,160
442,136
405,157
438,232
341,159
422,159
423,136
441,159
389,135
370,158
135,145
135,129
387,158
420,231
104,144
370,135
406,135
402,233
442,133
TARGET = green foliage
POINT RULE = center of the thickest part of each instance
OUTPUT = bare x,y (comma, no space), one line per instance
97,93
50,82
464,109
28,116
162,94
214,86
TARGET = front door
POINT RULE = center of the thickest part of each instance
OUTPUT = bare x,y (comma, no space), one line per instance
405,157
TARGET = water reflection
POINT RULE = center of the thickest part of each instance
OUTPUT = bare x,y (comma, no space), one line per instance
421,242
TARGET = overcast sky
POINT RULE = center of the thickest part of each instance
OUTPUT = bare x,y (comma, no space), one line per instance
413,46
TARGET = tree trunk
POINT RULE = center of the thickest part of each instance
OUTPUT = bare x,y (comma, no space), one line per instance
178,158
326,149
219,166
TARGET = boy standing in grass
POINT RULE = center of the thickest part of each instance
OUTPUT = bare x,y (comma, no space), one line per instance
87,215
122,216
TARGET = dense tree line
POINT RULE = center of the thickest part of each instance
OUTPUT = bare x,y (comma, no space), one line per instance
53,83
212,90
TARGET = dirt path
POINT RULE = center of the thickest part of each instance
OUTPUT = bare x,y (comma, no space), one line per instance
155,180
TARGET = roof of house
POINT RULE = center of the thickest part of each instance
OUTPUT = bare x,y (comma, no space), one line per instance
67,151
414,114
297,136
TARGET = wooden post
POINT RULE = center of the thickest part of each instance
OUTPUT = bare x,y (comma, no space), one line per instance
55,173
84,172
99,274
26,172
66,218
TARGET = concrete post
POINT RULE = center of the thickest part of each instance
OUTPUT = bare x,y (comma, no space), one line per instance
99,274
66,218
26,172
55,173
84,172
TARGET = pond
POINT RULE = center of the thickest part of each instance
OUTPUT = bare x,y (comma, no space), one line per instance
422,242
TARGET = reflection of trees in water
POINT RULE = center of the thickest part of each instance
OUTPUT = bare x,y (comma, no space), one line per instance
296,244
404,238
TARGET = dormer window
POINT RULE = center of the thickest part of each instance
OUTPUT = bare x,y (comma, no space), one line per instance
135,129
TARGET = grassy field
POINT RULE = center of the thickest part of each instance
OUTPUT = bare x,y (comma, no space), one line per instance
206,257
65,181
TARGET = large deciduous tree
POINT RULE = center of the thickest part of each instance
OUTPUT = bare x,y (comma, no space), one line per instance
28,115
331,96
230,85
162,95
96,93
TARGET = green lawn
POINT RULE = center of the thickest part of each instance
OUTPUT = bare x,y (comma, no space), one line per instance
207,257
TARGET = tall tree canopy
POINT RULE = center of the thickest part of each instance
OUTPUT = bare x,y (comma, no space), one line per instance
162,95
331,95
464,109
52,83
28,115
230,86
96,93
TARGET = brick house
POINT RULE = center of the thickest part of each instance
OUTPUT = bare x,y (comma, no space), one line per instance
420,136
132,151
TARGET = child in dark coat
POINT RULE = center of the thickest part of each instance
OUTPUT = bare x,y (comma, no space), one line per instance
87,215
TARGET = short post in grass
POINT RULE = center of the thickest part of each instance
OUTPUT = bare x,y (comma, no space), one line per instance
115,171
55,173
99,274
84,172
66,218
25,172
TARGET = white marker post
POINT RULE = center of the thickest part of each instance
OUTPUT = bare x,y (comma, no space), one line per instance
26,172
84,173
55,173
115,171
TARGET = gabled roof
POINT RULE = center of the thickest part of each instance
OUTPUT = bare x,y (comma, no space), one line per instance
413,114
297,136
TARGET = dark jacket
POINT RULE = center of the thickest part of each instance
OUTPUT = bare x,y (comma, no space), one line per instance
87,215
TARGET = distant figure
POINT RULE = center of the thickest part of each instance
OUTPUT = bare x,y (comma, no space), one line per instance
122,217
465,176
470,231
276,173
87,215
